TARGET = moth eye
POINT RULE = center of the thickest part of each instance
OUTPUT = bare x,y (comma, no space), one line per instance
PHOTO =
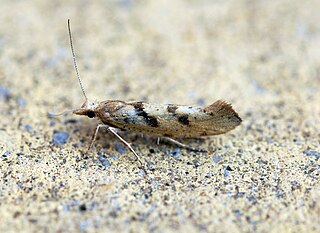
91,114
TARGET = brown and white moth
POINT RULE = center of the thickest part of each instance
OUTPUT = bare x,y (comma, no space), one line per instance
162,120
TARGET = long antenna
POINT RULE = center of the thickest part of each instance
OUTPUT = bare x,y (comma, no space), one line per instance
75,62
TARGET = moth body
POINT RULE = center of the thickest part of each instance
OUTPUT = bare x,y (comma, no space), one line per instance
162,120
168,120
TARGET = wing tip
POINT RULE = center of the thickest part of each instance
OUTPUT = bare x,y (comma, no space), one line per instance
224,108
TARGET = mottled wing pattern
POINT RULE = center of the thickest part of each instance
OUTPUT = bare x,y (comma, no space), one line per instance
174,120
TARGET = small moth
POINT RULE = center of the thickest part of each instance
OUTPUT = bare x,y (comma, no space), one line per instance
162,120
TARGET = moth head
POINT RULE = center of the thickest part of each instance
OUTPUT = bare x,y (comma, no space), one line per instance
87,109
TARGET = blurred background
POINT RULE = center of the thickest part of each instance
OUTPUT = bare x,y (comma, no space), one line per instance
261,56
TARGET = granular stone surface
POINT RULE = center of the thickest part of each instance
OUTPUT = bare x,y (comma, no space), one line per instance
261,56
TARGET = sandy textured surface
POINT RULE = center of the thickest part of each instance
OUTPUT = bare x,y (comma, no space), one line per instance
262,56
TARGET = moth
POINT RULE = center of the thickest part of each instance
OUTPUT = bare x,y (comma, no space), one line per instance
161,120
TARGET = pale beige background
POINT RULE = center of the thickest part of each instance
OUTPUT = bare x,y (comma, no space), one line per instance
262,56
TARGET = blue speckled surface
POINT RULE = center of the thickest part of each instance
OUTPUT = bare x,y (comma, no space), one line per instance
262,56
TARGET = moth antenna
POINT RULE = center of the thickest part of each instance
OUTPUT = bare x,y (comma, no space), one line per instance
75,62
51,115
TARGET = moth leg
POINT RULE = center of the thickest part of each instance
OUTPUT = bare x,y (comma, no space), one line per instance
184,145
94,136
114,131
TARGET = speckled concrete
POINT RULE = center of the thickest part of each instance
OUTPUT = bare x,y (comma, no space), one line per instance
262,56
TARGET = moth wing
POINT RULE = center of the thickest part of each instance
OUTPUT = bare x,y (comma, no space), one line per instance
175,120
219,117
